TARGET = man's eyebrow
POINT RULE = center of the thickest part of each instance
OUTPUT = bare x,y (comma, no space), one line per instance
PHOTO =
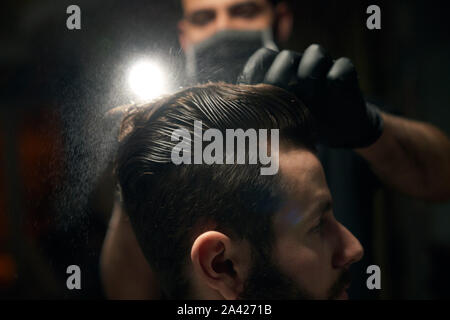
199,11
243,3
294,216
323,206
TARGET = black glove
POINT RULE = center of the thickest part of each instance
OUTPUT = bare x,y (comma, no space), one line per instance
328,88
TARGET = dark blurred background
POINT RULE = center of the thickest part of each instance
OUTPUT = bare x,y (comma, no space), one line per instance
57,83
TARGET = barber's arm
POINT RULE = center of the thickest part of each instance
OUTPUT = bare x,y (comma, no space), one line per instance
412,156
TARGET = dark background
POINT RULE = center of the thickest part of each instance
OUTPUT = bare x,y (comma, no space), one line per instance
56,84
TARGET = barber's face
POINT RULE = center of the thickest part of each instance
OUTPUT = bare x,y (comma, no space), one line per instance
203,18
312,251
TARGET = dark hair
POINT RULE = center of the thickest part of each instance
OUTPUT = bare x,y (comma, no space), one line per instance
170,205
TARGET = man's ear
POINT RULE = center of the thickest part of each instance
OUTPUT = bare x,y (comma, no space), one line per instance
284,20
221,263
182,39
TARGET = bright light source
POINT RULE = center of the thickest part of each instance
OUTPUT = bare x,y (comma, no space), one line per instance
147,80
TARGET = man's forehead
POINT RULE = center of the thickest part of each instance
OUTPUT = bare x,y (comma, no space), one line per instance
193,5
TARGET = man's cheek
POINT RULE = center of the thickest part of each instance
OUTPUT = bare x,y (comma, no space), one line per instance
310,271
315,280
301,264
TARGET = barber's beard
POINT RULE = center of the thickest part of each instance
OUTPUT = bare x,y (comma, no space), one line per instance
267,282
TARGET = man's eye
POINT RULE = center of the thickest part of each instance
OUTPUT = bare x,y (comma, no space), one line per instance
201,18
248,11
318,227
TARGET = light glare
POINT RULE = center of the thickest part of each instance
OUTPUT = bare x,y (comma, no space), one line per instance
147,80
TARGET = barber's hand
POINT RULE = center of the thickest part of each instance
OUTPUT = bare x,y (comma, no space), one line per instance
328,88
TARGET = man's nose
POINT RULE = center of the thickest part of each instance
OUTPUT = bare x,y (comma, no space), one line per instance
348,249
223,21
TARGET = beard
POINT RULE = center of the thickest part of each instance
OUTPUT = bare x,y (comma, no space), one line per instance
267,282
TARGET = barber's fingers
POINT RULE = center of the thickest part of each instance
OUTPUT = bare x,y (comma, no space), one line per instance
314,64
342,84
312,73
257,65
343,72
283,69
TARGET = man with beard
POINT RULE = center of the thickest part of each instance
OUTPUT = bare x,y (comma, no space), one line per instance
225,231
217,38
356,138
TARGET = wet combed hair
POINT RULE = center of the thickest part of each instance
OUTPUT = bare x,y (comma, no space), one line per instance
170,205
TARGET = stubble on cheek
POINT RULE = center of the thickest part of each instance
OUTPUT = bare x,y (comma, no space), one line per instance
306,268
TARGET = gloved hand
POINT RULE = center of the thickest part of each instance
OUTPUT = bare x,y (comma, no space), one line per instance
328,88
